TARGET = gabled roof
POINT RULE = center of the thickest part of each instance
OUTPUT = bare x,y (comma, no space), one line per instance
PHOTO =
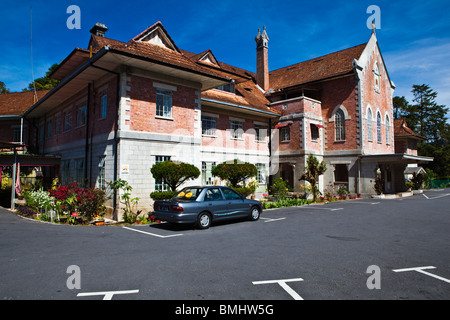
401,130
225,69
321,68
208,57
157,34
16,103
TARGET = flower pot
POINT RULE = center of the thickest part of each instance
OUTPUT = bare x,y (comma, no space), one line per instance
99,223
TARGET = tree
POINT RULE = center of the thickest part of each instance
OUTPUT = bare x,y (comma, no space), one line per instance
44,83
430,117
235,172
3,88
401,107
313,170
174,174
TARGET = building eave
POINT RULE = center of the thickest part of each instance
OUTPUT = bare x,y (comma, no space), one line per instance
242,108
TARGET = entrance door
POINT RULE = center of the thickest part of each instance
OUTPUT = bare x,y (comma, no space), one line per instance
388,186
341,175
287,174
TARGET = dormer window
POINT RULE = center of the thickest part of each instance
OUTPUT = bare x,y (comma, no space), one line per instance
227,88
377,78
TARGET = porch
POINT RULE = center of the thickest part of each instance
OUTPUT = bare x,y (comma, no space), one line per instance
390,168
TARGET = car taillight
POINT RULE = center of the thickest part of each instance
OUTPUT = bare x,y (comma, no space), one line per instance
176,208
155,207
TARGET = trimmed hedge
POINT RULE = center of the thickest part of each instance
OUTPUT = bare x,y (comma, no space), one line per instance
163,195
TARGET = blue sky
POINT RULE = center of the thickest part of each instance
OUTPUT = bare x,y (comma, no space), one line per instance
414,35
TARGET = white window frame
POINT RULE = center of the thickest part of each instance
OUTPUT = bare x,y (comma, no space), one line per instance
261,176
164,103
103,106
160,185
285,134
388,130
101,179
209,126
207,177
237,129
261,133
81,115
68,120
339,122
379,122
369,125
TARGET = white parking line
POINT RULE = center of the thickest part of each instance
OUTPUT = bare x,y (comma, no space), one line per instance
107,295
316,208
421,270
272,220
442,196
153,234
283,284
362,202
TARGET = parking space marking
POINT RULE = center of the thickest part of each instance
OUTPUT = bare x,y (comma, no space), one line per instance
272,220
421,270
108,295
283,284
316,208
153,234
363,202
442,196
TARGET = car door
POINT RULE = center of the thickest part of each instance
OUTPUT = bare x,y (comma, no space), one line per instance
215,203
235,203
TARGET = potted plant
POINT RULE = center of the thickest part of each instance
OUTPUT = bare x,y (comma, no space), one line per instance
99,220
379,187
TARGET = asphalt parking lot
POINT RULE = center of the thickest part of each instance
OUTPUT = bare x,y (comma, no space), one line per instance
363,249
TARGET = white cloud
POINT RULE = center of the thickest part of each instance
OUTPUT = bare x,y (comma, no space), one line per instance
422,62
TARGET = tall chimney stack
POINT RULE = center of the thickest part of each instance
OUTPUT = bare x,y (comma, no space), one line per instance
262,59
99,29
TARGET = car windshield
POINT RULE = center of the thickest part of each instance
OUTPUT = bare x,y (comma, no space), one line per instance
188,194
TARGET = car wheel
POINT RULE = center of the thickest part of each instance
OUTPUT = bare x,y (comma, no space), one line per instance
254,214
204,221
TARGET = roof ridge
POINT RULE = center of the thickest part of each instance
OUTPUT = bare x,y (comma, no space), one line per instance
316,58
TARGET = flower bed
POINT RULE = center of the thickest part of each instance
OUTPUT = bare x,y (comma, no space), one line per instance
71,204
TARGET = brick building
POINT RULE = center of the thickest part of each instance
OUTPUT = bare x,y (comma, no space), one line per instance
123,106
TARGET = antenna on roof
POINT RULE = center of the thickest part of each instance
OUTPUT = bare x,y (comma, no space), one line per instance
31,45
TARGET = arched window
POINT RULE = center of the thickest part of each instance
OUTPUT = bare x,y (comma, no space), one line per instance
378,127
376,77
388,131
339,121
369,125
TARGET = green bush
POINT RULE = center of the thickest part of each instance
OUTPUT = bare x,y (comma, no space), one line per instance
285,203
174,174
40,201
235,172
279,188
162,195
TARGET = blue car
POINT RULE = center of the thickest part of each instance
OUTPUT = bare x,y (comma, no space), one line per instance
204,205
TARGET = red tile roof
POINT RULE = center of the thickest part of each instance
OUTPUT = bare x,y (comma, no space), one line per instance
328,66
401,129
16,103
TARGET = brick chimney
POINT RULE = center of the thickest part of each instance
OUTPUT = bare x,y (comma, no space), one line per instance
262,59
99,29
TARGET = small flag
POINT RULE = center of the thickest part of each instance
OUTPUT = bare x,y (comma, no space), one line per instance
18,187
